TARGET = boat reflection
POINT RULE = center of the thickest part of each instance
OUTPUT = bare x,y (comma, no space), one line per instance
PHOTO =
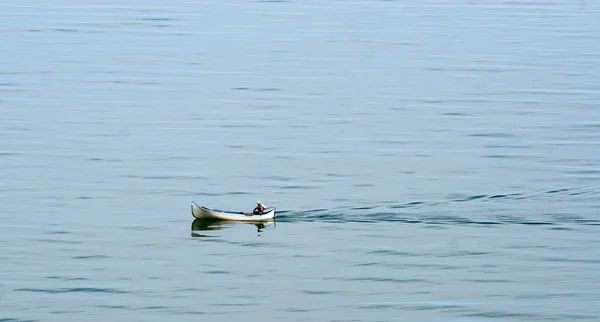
200,225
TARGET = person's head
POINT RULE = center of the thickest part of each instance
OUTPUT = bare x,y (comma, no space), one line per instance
258,203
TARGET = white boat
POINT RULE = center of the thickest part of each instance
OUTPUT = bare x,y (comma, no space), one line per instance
201,212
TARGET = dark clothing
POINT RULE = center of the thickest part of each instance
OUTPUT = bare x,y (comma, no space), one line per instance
260,209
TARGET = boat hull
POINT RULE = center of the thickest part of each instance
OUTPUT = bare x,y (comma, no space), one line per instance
201,212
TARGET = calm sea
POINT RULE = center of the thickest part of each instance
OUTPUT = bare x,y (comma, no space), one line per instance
429,160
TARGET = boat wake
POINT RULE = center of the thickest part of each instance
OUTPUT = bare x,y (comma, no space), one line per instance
539,208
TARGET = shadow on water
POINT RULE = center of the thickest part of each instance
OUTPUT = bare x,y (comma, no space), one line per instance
200,226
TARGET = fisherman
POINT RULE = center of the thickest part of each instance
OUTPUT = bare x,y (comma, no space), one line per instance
259,209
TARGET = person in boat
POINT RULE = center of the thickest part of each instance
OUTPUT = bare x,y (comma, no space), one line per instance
259,209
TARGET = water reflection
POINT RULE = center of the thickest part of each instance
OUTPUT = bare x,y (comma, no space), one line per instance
210,225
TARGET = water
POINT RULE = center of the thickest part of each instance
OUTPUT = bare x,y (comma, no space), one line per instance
431,161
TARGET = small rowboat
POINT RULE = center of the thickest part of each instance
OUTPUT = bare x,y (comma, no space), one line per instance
201,212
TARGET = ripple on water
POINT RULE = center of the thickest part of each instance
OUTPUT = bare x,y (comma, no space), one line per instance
73,290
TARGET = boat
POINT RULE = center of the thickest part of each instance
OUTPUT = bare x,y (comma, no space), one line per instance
201,212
